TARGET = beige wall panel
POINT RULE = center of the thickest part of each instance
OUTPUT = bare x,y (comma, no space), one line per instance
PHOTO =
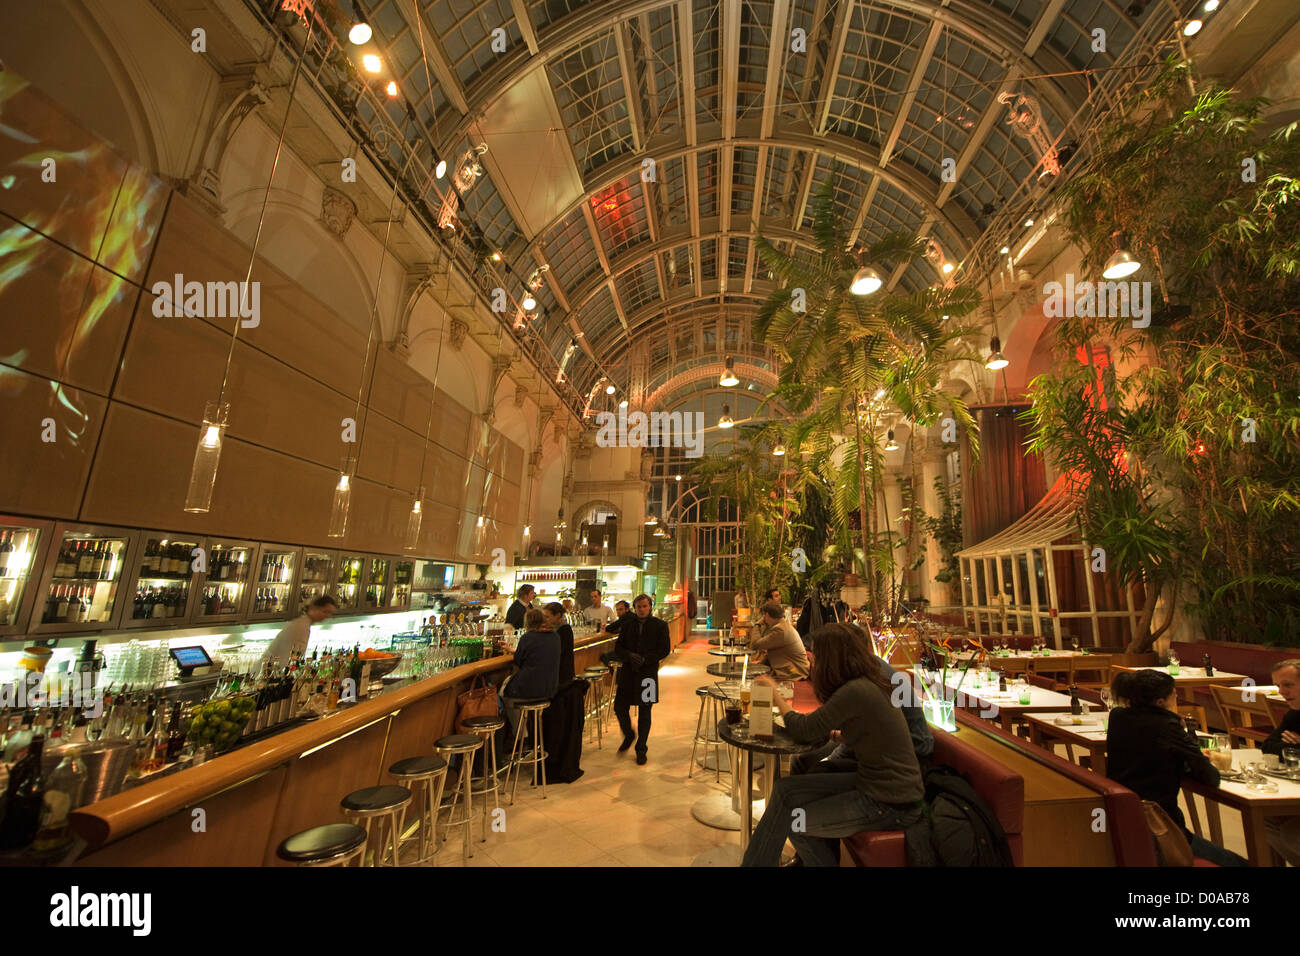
37,477
451,424
439,530
444,476
390,454
376,519
401,393
475,487
513,466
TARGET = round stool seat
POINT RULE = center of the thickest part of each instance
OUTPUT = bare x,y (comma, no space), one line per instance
597,671
703,690
417,766
376,798
459,743
484,723
539,702
321,843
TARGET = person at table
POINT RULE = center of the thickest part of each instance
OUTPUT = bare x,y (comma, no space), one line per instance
837,757
883,792
1283,833
780,646
773,595
1149,751
643,641
621,610
537,666
294,636
598,614
555,617
523,601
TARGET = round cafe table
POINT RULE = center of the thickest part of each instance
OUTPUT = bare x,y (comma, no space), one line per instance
729,652
719,810
738,737
730,671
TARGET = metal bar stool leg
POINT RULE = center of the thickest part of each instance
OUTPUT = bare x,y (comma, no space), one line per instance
516,755
539,750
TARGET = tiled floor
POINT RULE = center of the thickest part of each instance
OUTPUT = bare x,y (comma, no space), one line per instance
620,814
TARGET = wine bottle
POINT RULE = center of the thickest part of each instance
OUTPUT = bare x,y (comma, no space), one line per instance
24,799
175,739
64,605
63,794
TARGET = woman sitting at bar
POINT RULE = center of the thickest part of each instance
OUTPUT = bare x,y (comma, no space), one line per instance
1149,751
537,660
883,793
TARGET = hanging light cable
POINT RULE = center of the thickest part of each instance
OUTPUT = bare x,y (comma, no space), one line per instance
996,359
216,414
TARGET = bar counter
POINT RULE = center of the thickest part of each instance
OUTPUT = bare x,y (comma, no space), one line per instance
235,809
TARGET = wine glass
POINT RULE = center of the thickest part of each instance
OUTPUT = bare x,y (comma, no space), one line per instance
1074,644
1104,694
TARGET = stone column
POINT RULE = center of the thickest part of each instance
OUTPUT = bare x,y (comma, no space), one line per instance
933,466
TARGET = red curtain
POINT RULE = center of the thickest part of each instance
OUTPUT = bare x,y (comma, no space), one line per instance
1006,481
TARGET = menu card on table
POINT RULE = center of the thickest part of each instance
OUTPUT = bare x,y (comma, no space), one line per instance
760,711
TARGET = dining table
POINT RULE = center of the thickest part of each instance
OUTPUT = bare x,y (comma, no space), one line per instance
1255,807
1087,731
1188,677
974,693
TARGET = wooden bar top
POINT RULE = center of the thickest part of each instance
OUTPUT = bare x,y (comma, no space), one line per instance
138,807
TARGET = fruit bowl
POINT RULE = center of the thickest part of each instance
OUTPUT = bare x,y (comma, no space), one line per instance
381,666
221,723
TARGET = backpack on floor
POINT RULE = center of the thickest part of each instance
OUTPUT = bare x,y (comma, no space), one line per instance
964,830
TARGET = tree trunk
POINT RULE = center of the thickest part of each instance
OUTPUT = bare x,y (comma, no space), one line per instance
865,519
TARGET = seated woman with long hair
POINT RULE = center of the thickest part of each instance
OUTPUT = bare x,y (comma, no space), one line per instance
883,793
1149,751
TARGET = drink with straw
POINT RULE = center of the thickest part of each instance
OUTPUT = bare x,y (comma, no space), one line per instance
744,699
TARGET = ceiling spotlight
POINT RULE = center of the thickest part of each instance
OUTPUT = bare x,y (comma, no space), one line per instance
947,268
1029,222
441,169
1210,6
360,33
1004,250
866,281
391,88
623,404
1121,264
726,421
651,521
610,389
529,302
891,445
372,63
677,477
996,359
728,376
496,256
1192,27
779,450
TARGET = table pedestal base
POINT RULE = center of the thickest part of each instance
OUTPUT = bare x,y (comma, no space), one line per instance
716,811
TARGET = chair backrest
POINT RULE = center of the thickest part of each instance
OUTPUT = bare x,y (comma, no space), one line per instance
1094,670
1197,713
1001,787
1054,665
1242,709
1039,681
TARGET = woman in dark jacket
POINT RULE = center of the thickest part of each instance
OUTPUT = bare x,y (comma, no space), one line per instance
1149,751
884,791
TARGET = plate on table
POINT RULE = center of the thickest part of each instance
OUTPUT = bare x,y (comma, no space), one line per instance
1281,775
1234,775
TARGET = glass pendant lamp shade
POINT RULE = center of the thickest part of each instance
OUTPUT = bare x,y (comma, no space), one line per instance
342,499
996,359
1122,263
726,421
652,520
207,456
728,377
414,520
779,450
866,281
890,444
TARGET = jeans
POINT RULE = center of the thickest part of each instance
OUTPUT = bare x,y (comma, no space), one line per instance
832,807
1214,853
831,758
624,698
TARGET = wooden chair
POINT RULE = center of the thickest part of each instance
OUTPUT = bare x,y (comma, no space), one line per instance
1061,670
1248,721
1094,672
1277,709
1197,713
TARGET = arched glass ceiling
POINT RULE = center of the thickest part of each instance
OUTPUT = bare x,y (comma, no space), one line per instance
746,107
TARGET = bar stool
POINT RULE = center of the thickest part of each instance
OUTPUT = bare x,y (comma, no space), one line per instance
706,731
594,706
425,776
463,795
528,707
335,844
385,803
486,728
614,668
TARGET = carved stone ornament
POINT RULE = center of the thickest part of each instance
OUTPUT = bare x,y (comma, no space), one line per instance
456,333
336,211
521,392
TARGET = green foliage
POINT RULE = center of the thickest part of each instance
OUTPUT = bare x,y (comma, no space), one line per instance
1175,492
945,528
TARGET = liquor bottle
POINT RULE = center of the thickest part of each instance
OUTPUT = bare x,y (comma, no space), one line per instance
63,794
1076,705
1209,667
175,739
24,799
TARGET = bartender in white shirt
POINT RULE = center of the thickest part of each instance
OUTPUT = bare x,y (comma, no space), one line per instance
293,637
598,613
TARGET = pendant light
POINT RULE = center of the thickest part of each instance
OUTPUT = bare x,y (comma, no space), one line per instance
360,33
651,521
725,421
216,414
996,359
866,281
728,377
890,444
779,450
342,499
415,520
1121,263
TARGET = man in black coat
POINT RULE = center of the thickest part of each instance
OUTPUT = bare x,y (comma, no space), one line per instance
642,643
523,601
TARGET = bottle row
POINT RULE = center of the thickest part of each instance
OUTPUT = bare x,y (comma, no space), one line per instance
57,577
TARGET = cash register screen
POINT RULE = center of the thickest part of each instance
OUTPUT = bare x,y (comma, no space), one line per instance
191,656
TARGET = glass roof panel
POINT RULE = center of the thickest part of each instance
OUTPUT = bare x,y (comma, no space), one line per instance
570,252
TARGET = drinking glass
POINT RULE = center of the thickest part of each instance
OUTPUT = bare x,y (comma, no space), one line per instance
1074,644
1104,694
1291,761
1024,693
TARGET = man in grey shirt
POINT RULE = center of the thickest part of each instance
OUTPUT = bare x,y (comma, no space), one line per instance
780,645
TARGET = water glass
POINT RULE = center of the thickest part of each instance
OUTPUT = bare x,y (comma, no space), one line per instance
1291,761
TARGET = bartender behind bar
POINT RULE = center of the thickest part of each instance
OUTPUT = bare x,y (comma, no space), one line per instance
293,637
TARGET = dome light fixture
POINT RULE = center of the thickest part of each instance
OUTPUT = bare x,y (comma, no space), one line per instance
1192,27
779,450
529,302
728,376
1210,6
1122,263
440,170
948,267
610,389
391,88
677,477
651,520
726,421
996,359
360,33
1005,250
372,63
890,444
623,404
866,281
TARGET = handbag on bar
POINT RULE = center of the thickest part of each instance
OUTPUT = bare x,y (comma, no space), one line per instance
479,701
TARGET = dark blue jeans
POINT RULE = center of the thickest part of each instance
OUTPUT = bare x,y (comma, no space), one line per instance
832,807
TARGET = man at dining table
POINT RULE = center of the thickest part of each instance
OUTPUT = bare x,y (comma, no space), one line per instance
780,646
1283,833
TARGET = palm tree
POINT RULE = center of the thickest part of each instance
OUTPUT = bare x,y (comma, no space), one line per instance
851,363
